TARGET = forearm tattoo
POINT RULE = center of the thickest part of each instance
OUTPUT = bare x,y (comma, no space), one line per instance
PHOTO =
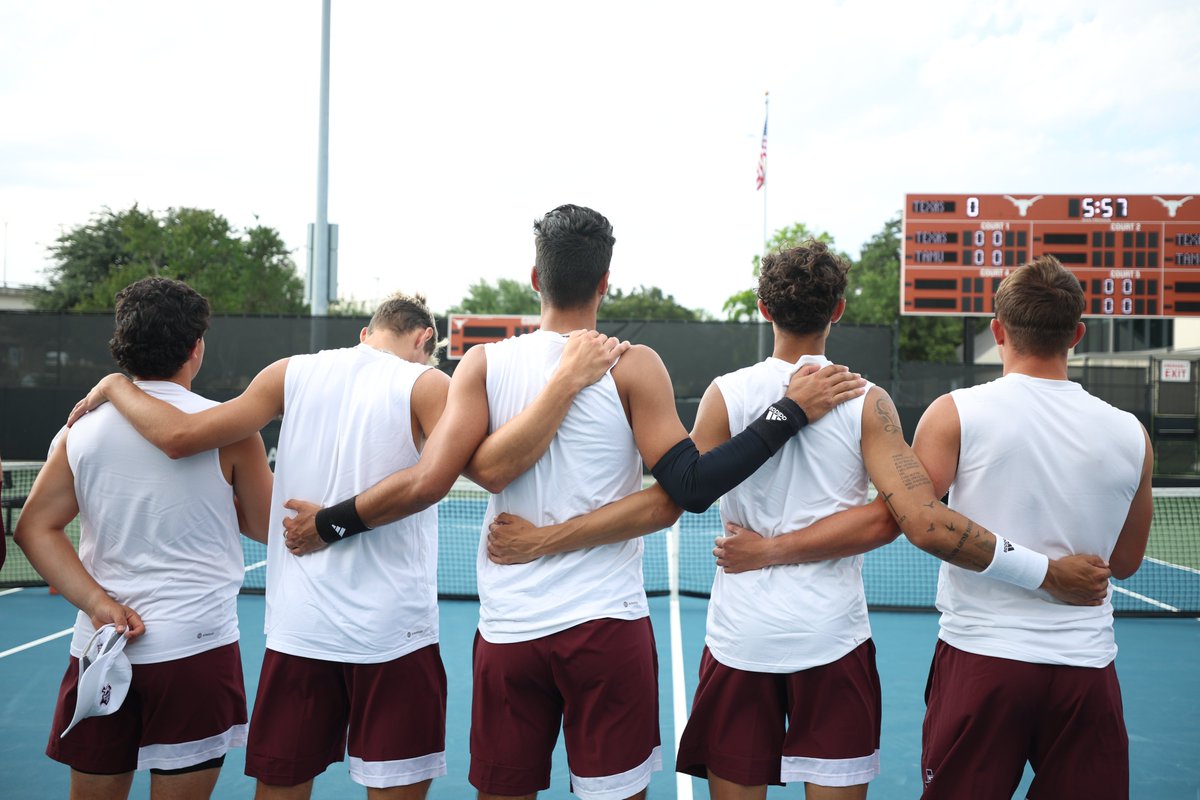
885,411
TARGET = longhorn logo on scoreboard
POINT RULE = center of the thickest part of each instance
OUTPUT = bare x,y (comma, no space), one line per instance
1137,256
468,330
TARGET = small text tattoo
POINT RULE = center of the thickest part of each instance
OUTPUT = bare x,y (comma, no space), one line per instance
962,540
910,469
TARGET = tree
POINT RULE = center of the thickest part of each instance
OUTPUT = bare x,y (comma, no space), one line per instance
505,297
873,296
743,306
645,303
248,272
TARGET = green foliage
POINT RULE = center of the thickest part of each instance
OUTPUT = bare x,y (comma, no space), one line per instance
240,273
505,297
743,306
873,297
645,303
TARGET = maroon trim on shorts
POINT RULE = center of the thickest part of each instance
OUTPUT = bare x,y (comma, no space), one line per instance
169,702
743,723
598,680
308,710
986,716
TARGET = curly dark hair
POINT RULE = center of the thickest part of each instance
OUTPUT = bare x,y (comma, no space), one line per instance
801,287
159,321
573,250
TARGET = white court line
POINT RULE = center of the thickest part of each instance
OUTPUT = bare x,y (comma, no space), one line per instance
12,591
66,632
683,783
36,642
1145,599
1162,563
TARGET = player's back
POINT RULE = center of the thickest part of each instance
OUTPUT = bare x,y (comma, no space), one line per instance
592,460
1046,465
795,616
347,424
160,535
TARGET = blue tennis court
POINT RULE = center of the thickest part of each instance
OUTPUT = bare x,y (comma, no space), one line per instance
1157,665
1157,662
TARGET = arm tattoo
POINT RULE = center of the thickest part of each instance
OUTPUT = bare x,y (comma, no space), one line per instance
884,410
910,470
962,540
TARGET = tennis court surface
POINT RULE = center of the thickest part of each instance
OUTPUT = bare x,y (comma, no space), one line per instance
1157,631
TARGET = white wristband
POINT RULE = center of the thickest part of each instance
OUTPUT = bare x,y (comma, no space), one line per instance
1017,565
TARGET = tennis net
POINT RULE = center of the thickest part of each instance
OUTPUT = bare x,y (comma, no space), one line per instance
897,576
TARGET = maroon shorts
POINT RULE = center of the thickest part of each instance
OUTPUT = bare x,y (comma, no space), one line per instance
986,716
394,714
177,714
598,680
819,725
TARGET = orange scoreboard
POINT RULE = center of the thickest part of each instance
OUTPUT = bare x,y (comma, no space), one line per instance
1136,255
468,330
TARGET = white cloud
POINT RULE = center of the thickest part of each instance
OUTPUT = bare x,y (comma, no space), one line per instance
453,125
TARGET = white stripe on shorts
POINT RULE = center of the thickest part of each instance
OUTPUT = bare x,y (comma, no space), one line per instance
403,772
621,786
188,754
829,771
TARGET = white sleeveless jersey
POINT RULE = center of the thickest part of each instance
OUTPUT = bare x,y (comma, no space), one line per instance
1046,465
796,616
591,461
347,424
160,536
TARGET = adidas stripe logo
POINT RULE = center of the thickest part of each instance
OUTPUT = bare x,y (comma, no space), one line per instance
775,415
341,532
1008,546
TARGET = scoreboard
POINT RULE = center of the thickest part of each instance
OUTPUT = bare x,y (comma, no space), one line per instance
1135,255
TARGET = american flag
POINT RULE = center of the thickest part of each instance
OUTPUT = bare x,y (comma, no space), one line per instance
762,160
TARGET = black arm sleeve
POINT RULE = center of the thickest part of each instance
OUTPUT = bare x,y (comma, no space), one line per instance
695,481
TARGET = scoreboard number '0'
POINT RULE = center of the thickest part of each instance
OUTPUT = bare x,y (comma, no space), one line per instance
1135,255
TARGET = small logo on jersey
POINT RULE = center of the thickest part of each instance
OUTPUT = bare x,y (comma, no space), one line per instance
341,532
106,694
928,776
1008,546
775,415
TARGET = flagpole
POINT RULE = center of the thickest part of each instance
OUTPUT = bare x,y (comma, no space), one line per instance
762,323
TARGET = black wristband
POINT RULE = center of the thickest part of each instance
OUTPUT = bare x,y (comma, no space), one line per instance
782,420
339,521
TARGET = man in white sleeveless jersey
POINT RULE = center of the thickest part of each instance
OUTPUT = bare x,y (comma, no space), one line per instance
159,557
788,689
1017,676
566,640
352,662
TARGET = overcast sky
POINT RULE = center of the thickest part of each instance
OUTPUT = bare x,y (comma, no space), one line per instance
455,124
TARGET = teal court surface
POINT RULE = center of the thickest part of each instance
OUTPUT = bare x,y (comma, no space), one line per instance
1158,667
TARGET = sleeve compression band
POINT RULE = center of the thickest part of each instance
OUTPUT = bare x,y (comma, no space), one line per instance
695,481
339,521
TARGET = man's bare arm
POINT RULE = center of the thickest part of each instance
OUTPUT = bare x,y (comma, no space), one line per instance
912,499
516,446
179,434
41,534
513,540
846,533
251,477
1131,543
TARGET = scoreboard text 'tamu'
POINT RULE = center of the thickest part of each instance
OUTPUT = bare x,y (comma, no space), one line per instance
1136,255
